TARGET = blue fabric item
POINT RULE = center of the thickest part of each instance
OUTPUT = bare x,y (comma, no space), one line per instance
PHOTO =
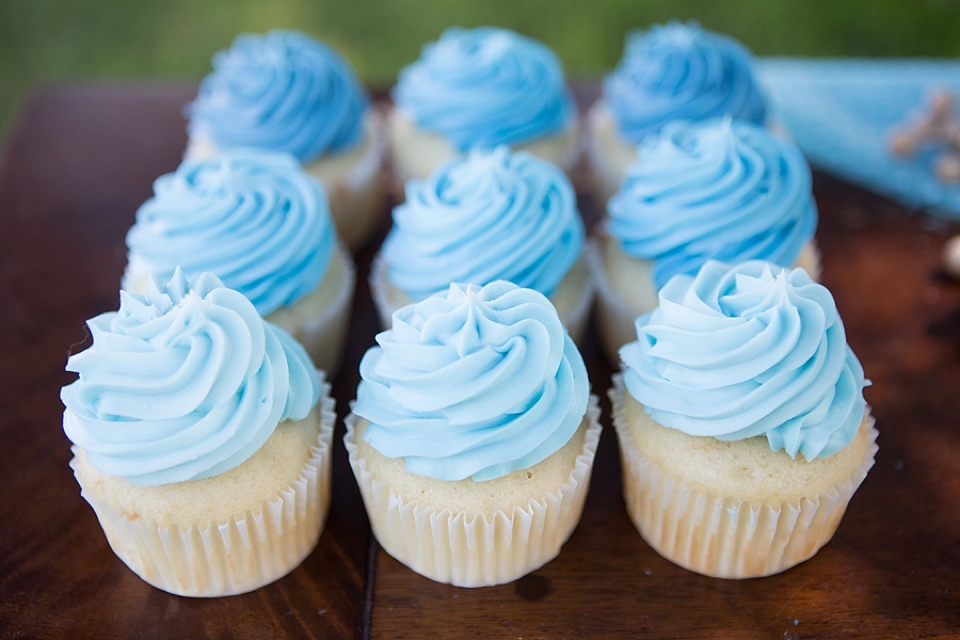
842,112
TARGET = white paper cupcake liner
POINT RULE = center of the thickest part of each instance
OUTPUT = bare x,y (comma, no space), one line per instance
575,319
471,550
240,554
613,314
607,174
357,200
324,335
725,537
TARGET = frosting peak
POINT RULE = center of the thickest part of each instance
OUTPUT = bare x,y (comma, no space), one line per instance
282,91
748,350
491,215
484,87
253,218
476,382
681,72
717,189
183,383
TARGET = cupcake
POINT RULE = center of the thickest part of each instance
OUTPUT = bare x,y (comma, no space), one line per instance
671,72
492,215
717,189
201,439
473,435
480,88
742,425
258,222
286,92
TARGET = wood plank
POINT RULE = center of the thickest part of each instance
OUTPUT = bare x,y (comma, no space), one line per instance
81,159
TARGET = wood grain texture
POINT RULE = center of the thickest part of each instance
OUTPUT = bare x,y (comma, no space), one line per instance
75,167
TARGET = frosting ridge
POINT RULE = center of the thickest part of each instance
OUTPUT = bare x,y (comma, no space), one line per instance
717,189
747,350
253,218
474,382
183,383
282,91
493,215
681,72
484,87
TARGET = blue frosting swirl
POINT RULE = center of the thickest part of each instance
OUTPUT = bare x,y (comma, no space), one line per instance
254,219
718,189
493,215
282,91
476,382
681,72
484,87
748,350
183,383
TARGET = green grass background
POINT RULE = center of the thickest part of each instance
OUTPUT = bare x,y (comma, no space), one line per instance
55,40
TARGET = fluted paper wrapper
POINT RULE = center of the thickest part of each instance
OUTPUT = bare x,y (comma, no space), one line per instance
613,314
324,335
724,537
471,550
608,172
575,319
236,556
357,200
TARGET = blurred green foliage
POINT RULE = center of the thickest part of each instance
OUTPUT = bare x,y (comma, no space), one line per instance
54,40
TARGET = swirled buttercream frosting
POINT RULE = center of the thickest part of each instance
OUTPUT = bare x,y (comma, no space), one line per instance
282,91
484,87
493,215
475,382
681,72
183,383
748,350
254,219
717,189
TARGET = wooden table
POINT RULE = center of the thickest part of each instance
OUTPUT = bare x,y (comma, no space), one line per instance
76,164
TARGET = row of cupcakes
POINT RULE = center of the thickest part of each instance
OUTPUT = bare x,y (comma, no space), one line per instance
446,340
471,89
202,433
261,223
715,190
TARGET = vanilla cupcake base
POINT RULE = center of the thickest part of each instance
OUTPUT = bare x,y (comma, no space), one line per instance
475,534
353,179
732,509
625,289
320,320
573,298
416,152
228,534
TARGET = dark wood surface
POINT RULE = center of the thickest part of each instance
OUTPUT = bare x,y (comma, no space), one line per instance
76,164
